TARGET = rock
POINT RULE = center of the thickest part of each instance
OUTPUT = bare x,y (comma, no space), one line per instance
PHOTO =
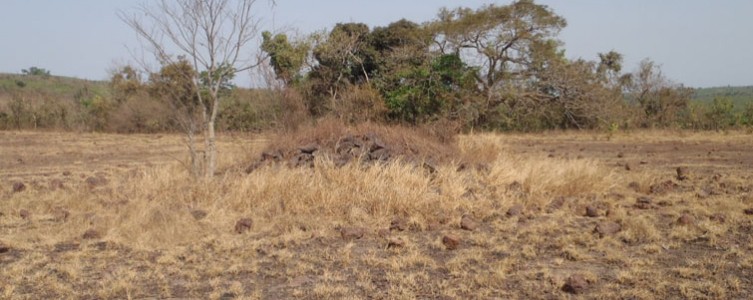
352,233
718,217
515,210
634,186
620,155
198,214
555,204
468,223
60,214
395,243
451,241
643,202
228,296
92,234
66,173
592,211
24,214
682,173
748,211
309,149
607,228
56,184
515,187
663,187
628,167
383,233
575,284
4,248
398,224
243,225
19,187
96,181
703,193
686,219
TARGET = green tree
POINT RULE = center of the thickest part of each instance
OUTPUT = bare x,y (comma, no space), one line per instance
35,71
287,58
721,114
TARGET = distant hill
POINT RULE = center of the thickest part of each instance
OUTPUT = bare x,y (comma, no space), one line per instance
52,86
741,96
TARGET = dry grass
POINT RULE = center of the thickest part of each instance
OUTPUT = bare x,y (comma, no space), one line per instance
152,244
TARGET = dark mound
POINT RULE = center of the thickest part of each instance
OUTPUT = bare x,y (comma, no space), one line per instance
366,144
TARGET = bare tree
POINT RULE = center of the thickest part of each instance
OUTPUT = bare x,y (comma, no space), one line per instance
214,37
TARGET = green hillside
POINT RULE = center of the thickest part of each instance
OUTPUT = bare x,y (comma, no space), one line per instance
51,86
741,96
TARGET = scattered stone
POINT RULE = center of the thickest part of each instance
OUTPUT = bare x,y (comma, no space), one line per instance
4,248
575,284
60,214
592,211
395,243
19,187
663,187
748,211
682,173
468,223
515,187
555,204
451,241
515,210
243,225
718,217
309,149
607,228
56,184
352,233
92,234
628,167
93,181
198,214
24,214
66,173
620,155
228,296
383,233
398,224
643,202
635,186
686,219
703,193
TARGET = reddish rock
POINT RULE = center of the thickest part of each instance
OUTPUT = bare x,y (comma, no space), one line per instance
96,181
620,155
555,204
383,233
451,242
718,217
198,214
243,225
66,173
92,234
748,211
592,211
628,167
643,202
352,233
468,223
634,186
19,187
607,228
686,219
60,214
575,284
24,214
4,248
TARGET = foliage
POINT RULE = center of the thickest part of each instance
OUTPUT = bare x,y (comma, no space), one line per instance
35,71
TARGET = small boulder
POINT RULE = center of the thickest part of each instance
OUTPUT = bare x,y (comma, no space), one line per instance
309,149
643,202
60,214
718,217
352,233
91,234
398,224
682,173
198,214
19,187
686,219
748,211
607,228
634,186
592,211
24,214
451,241
395,243
96,181
56,184
243,225
4,248
575,284
468,223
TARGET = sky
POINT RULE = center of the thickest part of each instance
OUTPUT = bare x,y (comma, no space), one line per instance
699,43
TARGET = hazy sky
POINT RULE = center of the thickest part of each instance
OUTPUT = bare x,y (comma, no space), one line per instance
699,43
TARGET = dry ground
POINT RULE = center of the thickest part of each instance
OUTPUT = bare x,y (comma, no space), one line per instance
116,217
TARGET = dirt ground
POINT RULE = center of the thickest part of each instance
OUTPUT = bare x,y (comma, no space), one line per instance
646,230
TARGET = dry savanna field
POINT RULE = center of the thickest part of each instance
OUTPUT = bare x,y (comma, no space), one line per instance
634,215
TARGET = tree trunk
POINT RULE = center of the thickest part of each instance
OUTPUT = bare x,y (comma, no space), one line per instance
211,154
